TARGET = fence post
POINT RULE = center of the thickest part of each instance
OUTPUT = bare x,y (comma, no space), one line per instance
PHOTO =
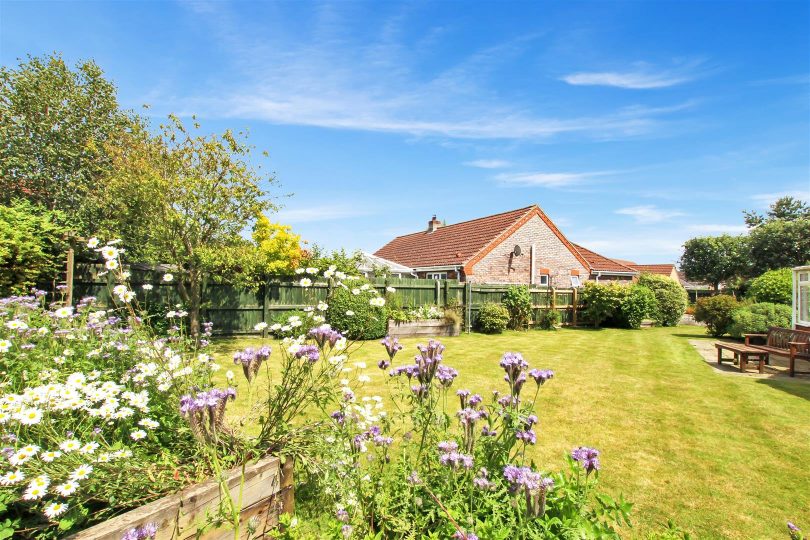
468,304
265,305
574,301
69,276
438,293
553,306
446,292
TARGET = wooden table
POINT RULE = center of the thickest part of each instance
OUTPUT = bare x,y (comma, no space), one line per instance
742,353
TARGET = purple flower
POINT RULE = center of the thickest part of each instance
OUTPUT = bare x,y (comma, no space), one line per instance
383,364
145,532
587,457
470,416
527,436
324,335
205,412
481,480
392,346
251,360
309,351
459,535
540,376
339,417
413,478
446,375
342,515
794,531
486,432
522,477
346,530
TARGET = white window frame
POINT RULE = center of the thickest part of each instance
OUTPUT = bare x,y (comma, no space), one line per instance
802,290
543,280
576,282
436,275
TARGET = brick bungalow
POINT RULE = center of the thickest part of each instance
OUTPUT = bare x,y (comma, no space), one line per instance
520,246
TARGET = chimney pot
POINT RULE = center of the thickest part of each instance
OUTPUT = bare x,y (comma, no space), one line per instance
433,224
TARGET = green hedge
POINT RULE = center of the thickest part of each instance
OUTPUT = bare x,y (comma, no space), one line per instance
351,313
757,318
670,297
774,286
492,318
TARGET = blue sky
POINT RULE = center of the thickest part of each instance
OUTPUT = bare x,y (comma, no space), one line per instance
634,125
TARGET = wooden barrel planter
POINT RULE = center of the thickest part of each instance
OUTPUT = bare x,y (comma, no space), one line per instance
267,492
429,328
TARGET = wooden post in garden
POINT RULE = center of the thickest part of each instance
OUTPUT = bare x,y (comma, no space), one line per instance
266,305
553,304
69,275
446,292
438,293
574,302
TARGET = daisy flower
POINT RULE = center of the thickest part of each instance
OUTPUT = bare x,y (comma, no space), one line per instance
109,252
82,472
67,489
5,345
48,457
168,277
63,312
12,477
55,509
29,417
93,243
34,492
138,434
70,445
89,448
148,423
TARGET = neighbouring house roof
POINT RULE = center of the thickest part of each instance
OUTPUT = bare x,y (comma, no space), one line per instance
465,243
600,263
661,269
692,285
371,262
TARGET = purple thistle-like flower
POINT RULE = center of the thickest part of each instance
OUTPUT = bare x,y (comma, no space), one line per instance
470,416
413,479
487,432
587,457
346,530
392,346
383,364
251,360
527,436
144,532
794,531
522,477
324,335
311,353
460,535
446,375
339,417
342,515
540,376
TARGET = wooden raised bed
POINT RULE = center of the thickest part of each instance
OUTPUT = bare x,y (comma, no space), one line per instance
429,328
267,492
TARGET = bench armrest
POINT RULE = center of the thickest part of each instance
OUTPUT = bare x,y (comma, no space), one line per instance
749,336
798,344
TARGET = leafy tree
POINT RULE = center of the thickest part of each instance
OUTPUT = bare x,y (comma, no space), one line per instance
714,259
779,244
670,298
342,260
274,251
774,286
638,303
57,124
197,193
785,208
602,301
32,244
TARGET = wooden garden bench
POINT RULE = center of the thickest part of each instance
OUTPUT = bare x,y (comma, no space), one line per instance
793,344
742,353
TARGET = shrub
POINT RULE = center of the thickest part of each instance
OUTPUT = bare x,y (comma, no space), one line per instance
602,301
518,301
451,316
774,286
548,319
492,318
670,296
757,318
350,311
716,312
31,246
638,303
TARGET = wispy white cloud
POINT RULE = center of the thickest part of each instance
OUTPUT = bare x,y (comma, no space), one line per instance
643,77
488,163
547,179
312,214
766,199
648,213
332,78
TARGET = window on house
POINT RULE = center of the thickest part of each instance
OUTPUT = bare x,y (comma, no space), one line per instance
803,299
542,280
575,282
437,275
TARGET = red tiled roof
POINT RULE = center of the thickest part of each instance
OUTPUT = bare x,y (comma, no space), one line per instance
600,263
661,269
452,244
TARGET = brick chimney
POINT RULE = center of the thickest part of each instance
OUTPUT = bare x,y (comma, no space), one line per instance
433,224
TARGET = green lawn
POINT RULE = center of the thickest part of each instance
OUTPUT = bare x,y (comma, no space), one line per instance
723,456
